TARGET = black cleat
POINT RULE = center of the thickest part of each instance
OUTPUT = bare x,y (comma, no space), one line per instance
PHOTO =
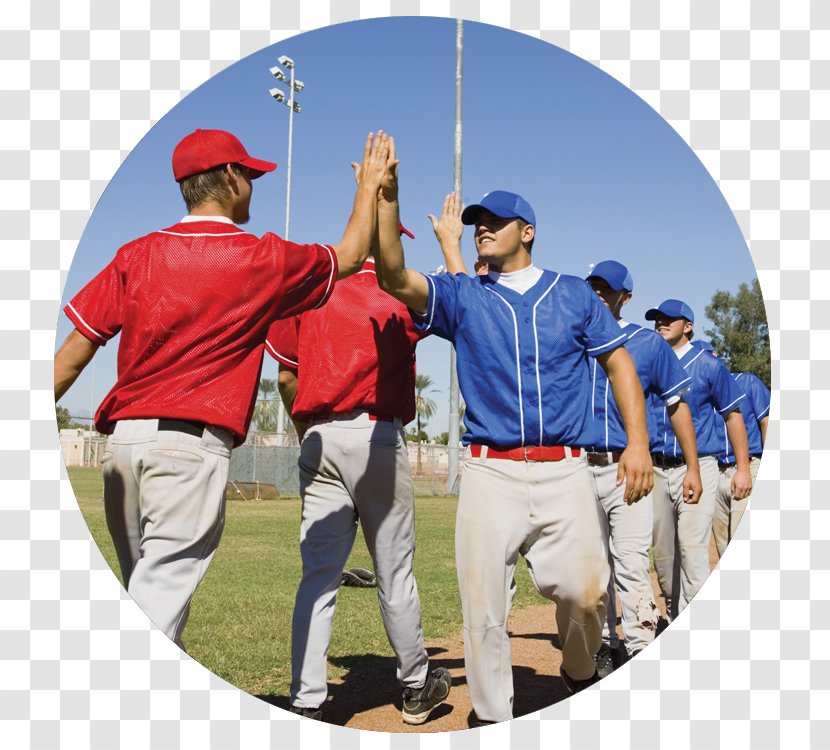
418,703
575,686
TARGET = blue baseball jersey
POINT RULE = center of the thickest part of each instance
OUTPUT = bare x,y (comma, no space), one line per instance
754,408
522,359
713,394
660,376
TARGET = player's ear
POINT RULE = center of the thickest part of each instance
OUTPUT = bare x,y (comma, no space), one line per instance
627,298
528,233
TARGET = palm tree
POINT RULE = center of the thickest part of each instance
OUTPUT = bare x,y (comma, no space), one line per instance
424,407
266,408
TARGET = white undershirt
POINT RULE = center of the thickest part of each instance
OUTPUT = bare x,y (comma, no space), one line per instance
683,349
191,217
518,281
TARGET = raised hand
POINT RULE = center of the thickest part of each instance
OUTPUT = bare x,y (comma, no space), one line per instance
448,228
370,172
389,183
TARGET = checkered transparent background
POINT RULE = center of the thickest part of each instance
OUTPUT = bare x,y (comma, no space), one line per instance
746,665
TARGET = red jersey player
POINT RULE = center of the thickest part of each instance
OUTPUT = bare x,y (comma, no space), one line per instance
193,303
347,375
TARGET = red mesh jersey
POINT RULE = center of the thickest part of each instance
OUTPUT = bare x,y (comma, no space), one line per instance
357,352
193,304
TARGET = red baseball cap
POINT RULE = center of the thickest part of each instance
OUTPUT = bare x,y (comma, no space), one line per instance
204,149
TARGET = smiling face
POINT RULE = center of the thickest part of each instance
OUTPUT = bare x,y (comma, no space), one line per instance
501,243
673,330
613,300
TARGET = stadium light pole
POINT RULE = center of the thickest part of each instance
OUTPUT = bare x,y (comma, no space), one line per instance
294,86
454,426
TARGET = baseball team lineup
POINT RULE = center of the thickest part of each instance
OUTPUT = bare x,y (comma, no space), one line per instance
591,443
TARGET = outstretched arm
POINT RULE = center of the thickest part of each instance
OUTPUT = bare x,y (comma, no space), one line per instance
406,285
75,354
448,230
635,464
680,417
355,246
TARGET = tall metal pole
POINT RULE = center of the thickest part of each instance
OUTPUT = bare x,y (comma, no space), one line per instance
454,427
280,405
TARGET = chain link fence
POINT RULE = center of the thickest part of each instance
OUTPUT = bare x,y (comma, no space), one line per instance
263,468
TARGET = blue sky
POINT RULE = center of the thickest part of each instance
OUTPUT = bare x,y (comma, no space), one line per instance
606,175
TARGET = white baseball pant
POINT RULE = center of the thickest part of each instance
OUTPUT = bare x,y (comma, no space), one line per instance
544,511
682,532
164,494
626,531
728,511
353,468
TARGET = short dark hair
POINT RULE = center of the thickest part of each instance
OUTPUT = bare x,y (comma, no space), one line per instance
208,185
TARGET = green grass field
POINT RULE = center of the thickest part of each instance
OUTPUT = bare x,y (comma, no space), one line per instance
240,622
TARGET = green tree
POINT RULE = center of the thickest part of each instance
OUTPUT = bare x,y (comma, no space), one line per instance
424,407
63,417
443,439
266,408
740,334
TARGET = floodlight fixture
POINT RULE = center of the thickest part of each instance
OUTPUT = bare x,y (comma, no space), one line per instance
277,73
285,61
278,95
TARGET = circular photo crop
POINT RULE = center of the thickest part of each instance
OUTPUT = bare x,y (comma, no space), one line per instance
412,280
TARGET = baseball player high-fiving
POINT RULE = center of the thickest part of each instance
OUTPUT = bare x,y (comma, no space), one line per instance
347,375
193,303
522,335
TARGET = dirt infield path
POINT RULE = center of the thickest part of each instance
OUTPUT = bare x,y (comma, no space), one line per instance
370,698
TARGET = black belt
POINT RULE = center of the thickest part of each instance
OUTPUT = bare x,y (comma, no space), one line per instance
182,425
722,465
667,462
603,459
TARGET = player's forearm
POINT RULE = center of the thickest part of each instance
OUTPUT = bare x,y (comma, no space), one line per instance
75,354
394,277
452,256
680,417
736,432
287,385
356,243
763,427
628,395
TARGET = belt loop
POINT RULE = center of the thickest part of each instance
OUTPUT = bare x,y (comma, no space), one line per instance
483,451
568,452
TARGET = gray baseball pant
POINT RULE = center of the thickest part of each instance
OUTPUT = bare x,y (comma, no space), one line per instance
351,469
728,511
626,531
164,495
681,533
545,512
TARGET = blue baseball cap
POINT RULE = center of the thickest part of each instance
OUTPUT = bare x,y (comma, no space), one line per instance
615,274
671,308
705,345
503,204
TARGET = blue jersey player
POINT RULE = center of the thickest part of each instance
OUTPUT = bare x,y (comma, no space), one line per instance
682,530
524,338
627,528
755,410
